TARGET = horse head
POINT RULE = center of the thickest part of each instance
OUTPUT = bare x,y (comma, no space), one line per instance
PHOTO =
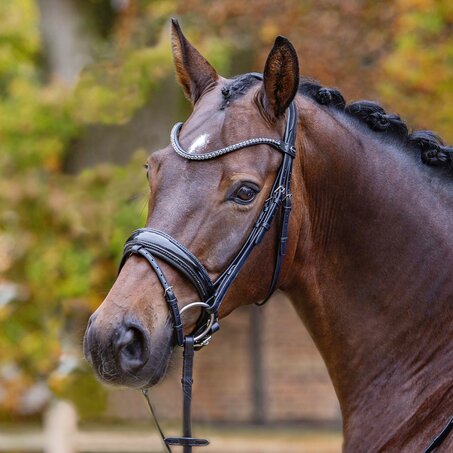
365,257
208,209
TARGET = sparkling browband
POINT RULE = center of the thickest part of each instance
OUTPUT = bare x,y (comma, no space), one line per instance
278,144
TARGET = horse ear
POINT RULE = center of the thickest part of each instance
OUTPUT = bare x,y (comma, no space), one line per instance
280,77
193,71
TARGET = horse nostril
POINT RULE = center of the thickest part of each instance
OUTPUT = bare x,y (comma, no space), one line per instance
131,345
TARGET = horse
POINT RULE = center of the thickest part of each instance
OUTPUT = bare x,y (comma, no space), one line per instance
368,250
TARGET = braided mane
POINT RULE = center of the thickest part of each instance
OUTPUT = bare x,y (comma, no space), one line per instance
428,145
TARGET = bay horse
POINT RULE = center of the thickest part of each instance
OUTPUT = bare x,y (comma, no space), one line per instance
369,249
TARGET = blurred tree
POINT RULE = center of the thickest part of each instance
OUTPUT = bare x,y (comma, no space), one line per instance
61,235
339,42
417,75
66,37
54,262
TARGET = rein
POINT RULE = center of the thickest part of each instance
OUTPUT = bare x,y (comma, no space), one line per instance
150,243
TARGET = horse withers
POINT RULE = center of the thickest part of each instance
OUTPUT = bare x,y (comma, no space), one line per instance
367,257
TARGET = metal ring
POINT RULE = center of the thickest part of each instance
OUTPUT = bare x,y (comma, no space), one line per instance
208,324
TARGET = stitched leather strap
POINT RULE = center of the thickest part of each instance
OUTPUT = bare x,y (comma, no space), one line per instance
441,437
280,193
133,248
187,441
173,252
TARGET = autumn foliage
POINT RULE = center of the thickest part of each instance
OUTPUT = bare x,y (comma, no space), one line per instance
61,234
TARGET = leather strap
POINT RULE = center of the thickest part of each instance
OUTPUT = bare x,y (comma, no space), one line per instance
187,441
156,421
441,437
280,193
173,252
133,248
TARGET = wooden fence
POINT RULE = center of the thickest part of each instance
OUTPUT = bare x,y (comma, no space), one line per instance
60,434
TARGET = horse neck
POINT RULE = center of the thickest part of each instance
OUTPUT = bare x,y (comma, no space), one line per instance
372,277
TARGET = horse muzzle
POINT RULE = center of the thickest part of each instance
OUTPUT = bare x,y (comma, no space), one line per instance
124,353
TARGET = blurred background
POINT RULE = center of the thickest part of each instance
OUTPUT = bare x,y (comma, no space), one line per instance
87,91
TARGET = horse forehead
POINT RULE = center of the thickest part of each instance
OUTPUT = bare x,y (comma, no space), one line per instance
183,178
201,132
213,123
211,127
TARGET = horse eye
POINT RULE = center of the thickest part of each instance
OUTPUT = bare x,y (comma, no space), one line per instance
245,194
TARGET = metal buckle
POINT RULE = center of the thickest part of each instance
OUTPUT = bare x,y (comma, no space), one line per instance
203,343
278,194
168,288
202,336
279,190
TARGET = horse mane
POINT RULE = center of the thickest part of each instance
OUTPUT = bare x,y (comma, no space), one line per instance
426,144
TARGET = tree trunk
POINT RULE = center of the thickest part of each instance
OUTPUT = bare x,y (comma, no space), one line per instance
66,39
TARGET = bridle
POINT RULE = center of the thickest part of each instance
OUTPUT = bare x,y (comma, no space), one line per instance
151,244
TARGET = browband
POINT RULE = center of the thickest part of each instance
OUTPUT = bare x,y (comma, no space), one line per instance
280,145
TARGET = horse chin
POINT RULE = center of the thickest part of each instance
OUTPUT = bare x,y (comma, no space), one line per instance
150,375
157,370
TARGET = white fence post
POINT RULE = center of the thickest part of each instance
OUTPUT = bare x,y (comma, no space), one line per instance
60,428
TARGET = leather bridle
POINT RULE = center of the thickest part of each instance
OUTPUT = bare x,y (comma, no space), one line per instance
151,243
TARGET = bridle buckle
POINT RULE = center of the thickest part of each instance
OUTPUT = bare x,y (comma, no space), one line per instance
203,338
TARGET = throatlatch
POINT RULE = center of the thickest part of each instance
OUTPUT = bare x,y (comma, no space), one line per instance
150,243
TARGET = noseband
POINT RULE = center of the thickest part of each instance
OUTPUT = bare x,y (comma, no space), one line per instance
151,244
